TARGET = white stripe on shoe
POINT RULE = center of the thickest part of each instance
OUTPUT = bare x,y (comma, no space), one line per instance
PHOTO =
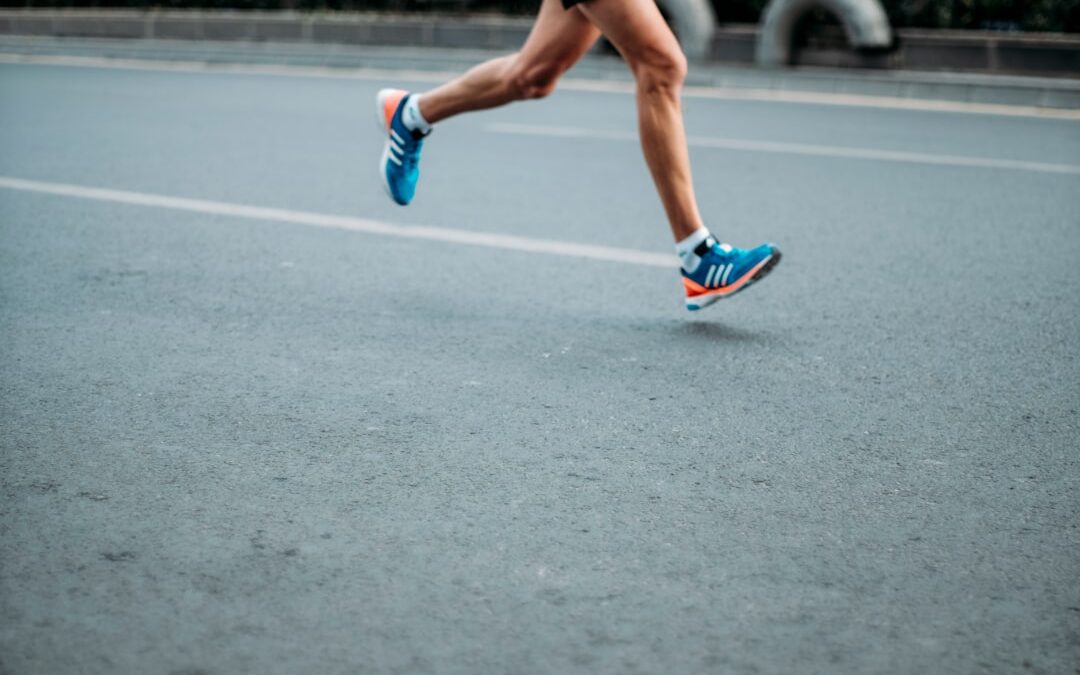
709,276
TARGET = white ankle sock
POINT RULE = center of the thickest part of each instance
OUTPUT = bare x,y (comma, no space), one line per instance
411,117
685,249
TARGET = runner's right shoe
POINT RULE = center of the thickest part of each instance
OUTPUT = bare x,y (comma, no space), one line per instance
399,166
725,270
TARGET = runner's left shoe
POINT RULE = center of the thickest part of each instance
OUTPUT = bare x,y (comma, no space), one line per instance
399,166
725,270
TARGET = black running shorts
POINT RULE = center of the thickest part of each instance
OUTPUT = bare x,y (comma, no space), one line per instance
567,4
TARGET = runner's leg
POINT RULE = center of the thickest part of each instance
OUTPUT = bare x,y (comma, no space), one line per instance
648,46
558,39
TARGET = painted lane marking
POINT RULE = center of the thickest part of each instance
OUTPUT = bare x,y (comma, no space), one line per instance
599,86
330,221
794,149
882,102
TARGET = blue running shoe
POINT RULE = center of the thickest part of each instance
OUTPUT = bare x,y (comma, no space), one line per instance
724,271
399,166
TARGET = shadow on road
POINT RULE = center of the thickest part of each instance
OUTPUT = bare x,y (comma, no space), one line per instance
719,332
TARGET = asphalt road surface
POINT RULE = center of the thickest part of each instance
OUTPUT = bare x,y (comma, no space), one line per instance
256,418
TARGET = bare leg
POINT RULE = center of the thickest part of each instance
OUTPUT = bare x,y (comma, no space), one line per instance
558,39
639,32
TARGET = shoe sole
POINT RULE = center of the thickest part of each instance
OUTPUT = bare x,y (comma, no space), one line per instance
700,302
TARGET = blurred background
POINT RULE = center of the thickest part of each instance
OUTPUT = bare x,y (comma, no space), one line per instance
1019,37
1001,15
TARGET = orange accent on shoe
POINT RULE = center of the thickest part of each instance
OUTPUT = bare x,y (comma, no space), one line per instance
692,287
390,104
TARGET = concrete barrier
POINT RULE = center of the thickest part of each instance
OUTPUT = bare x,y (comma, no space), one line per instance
490,32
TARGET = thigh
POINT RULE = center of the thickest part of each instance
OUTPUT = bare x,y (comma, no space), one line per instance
635,27
559,37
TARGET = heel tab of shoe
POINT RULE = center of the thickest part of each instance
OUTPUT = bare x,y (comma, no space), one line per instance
388,101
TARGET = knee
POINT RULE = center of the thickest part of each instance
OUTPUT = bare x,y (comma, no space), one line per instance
532,80
661,70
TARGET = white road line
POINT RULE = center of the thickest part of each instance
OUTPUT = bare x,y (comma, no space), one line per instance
599,86
883,102
365,225
794,149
